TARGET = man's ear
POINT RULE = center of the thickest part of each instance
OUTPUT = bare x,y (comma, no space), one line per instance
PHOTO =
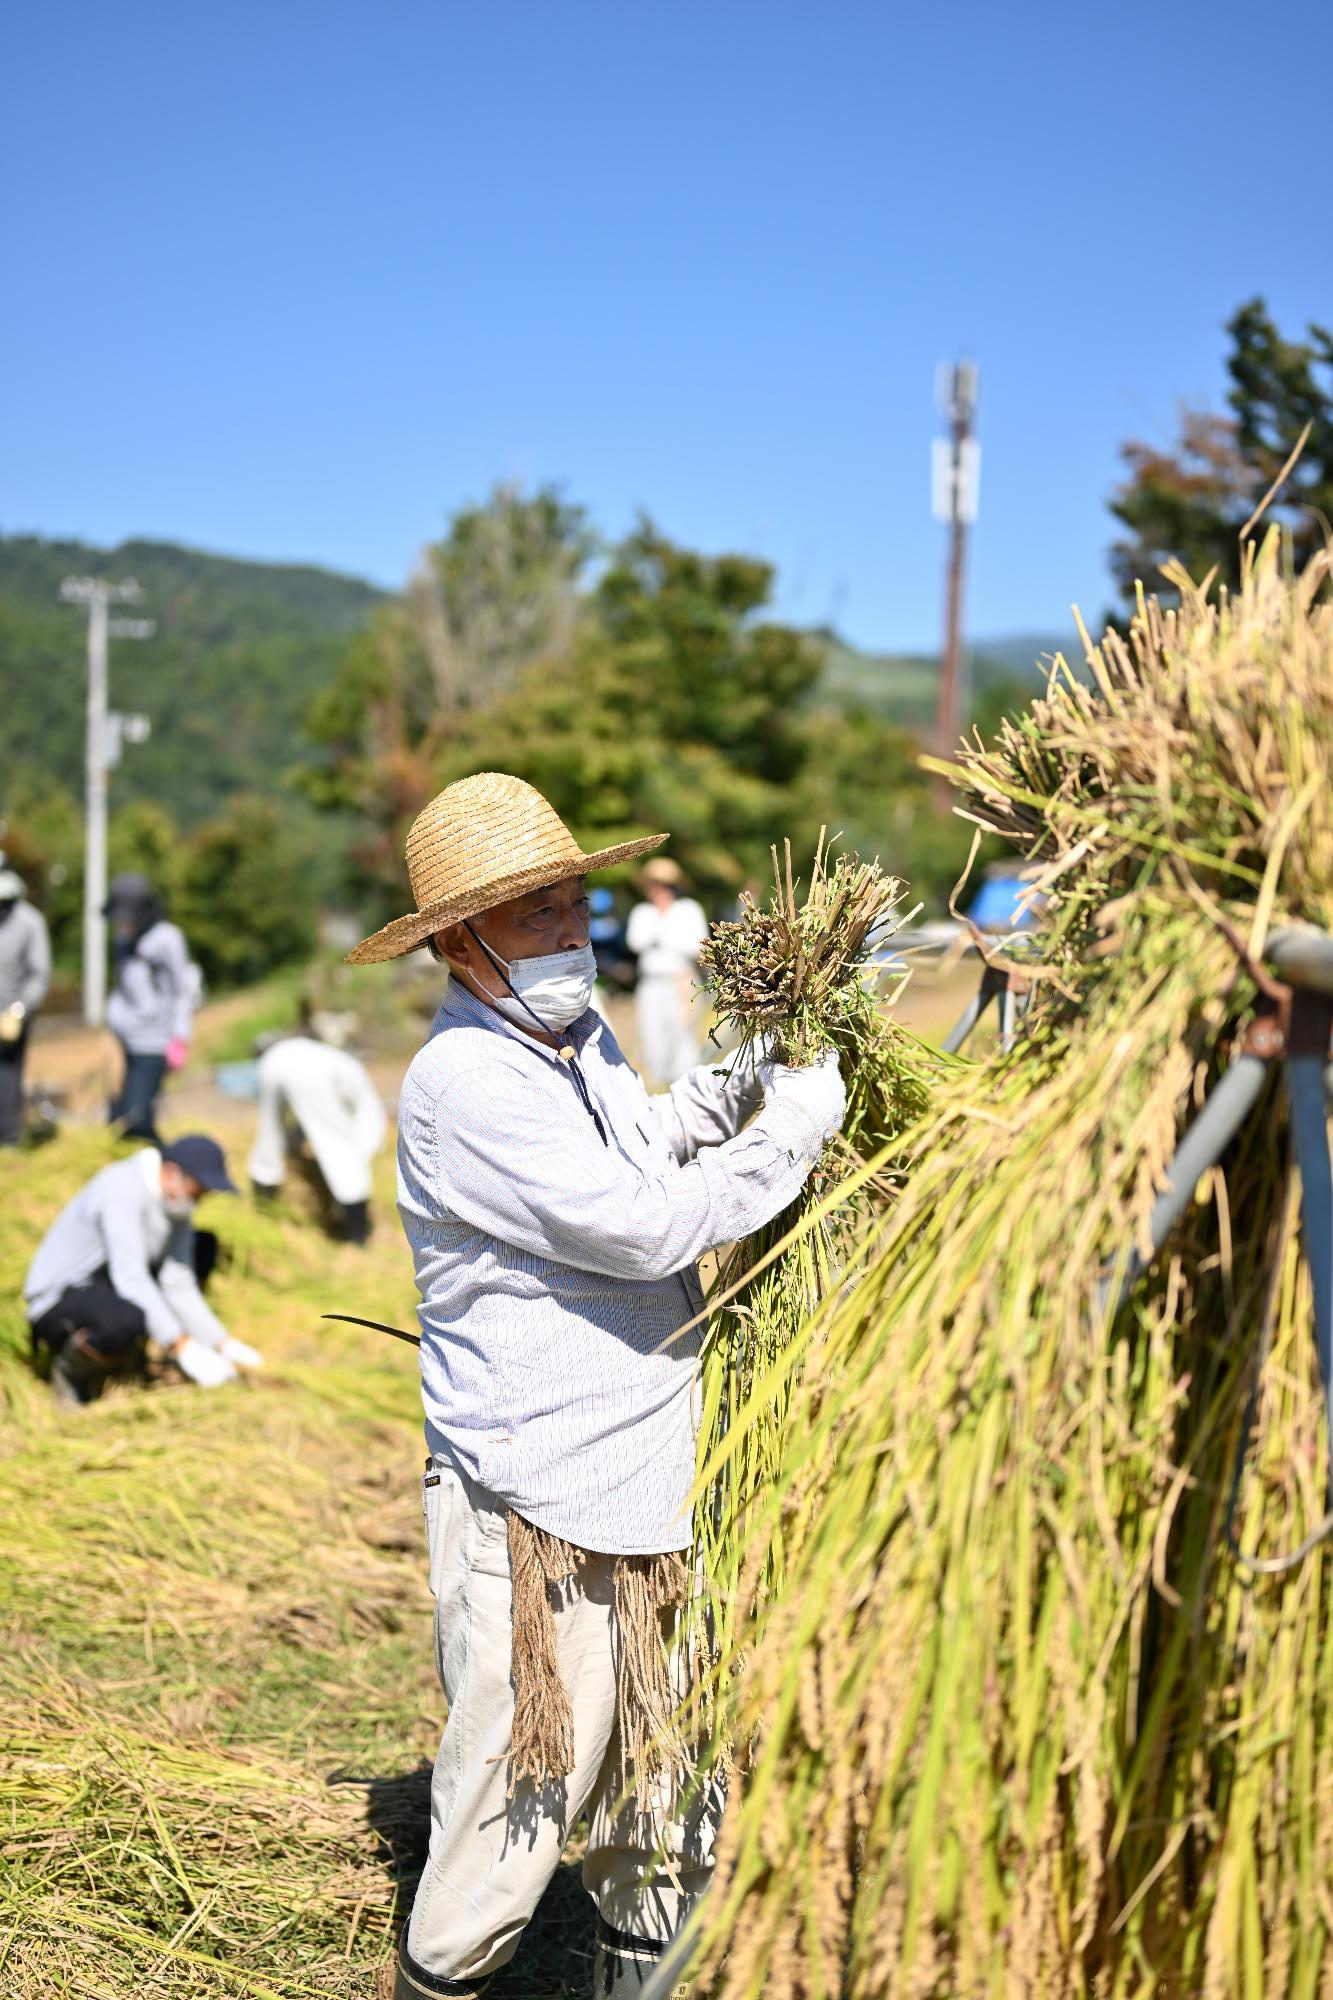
453,944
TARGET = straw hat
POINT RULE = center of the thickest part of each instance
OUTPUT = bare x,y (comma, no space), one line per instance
662,870
478,843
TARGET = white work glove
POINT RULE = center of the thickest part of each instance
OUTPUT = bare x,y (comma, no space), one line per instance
241,1353
817,1090
208,1366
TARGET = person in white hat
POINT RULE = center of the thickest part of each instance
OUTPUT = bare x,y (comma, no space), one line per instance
555,1214
25,976
665,933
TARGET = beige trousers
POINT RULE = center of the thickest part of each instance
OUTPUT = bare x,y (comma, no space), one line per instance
491,1857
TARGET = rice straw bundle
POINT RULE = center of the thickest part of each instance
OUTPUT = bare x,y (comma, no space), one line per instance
796,977
1024,1725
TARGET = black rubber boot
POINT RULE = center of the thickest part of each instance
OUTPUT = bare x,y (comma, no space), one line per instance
78,1372
355,1222
413,1982
625,1967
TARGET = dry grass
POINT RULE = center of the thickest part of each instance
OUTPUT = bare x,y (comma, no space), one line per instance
217,1689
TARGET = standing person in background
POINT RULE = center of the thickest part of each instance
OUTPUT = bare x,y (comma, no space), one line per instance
151,1009
25,975
328,1095
665,932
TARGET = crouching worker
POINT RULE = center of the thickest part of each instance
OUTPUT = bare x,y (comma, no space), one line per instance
121,1265
555,1212
329,1097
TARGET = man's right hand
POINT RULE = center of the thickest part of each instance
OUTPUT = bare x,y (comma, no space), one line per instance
817,1090
204,1365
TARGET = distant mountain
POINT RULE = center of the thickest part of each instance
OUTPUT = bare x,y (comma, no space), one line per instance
903,687
240,649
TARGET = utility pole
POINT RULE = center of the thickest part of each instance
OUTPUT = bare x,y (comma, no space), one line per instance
955,486
106,731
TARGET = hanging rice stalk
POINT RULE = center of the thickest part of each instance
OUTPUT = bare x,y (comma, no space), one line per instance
1025,1717
795,980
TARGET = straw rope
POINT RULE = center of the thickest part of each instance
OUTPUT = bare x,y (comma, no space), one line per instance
481,842
647,1590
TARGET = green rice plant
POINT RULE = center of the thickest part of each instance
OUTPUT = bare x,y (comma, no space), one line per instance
1020,1719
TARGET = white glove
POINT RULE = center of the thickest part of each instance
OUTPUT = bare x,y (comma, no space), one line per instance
208,1366
241,1353
817,1090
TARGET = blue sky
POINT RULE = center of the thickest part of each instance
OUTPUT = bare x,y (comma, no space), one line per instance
295,280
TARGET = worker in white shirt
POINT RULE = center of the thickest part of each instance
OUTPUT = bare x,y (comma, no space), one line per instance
326,1094
665,932
555,1213
121,1265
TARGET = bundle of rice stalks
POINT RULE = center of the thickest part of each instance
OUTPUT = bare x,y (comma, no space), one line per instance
793,981
1027,1719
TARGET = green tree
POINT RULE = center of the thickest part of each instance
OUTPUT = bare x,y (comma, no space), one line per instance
143,839
499,591
41,833
244,899
1191,501
675,705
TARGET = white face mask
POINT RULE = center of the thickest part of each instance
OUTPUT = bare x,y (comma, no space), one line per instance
556,988
179,1207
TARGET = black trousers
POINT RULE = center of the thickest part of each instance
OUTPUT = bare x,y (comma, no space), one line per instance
112,1326
11,1088
135,1103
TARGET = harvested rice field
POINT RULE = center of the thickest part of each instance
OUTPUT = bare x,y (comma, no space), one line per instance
218,1700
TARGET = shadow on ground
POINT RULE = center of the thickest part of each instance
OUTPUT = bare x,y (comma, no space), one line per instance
554,1959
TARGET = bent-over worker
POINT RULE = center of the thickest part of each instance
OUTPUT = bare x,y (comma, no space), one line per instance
555,1212
25,975
328,1095
121,1265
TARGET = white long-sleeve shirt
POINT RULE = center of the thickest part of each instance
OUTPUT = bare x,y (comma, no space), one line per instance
332,1099
666,942
556,1263
117,1228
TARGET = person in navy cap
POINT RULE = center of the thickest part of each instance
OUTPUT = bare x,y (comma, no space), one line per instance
121,1267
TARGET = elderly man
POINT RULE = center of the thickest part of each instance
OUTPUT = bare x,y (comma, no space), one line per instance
121,1265
25,975
555,1213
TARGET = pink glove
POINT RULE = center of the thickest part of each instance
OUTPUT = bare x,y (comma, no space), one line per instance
177,1051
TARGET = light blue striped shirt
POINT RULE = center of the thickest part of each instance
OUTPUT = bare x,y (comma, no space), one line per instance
555,1267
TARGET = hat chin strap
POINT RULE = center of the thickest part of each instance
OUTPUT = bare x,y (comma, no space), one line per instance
567,1052
503,970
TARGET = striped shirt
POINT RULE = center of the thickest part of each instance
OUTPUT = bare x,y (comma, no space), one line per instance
556,1263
